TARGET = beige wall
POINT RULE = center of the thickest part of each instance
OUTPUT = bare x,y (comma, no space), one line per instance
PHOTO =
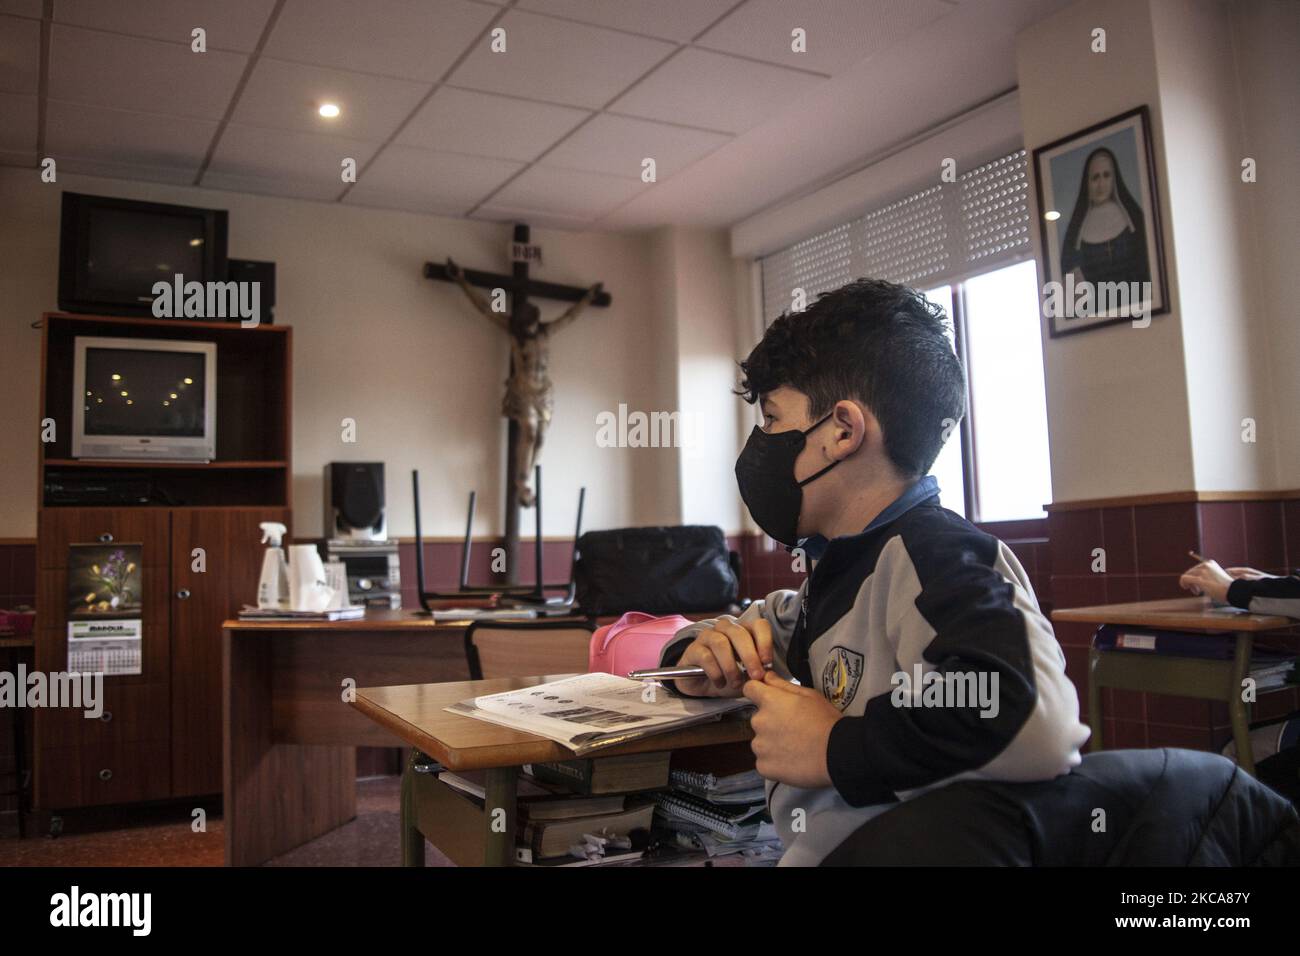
1266,43
418,370
1132,410
1117,406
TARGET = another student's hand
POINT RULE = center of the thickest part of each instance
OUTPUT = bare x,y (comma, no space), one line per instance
1209,579
1247,574
792,728
718,649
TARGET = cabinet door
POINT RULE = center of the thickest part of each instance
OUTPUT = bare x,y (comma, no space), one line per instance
216,563
107,773
59,527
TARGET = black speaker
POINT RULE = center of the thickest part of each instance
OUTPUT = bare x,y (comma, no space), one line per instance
250,270
354,501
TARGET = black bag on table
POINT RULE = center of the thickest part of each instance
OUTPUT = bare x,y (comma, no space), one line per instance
687,568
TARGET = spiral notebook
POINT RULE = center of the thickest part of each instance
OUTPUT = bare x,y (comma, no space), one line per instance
731,823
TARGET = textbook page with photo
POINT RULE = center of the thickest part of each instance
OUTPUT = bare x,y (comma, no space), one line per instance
592,711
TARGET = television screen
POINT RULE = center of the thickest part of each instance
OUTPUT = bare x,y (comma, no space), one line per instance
128,251
144,398
113,251
144,392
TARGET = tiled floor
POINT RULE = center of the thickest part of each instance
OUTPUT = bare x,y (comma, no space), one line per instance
369,840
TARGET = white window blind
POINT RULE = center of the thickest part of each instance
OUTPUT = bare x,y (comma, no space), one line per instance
939,235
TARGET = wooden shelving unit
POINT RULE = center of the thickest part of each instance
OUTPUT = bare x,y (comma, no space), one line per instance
160,737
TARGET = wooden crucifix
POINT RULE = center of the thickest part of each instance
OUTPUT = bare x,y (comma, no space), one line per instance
529,397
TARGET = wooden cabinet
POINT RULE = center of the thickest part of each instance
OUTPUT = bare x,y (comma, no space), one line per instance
61,527
205,571
216,562
159,735
118,771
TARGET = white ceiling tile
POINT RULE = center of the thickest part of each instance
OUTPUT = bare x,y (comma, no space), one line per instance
416,39
422,180
618,145
148,76
700,88
230,24
287,95
839,32
17,122
20,55
534,217
22,8
100,135
677,20
272,186
559,61
289,155
470,122
146,174
567,192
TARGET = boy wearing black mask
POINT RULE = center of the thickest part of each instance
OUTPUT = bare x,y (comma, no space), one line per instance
919,650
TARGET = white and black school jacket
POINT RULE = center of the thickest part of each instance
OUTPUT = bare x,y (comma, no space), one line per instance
926,593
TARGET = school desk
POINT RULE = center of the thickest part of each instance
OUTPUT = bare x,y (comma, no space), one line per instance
1218,680
467,834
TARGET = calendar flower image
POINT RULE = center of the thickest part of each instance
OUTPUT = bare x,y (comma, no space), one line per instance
104,580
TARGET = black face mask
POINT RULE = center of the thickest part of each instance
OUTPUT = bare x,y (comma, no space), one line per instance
765,474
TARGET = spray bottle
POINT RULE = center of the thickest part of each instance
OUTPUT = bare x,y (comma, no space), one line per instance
273,588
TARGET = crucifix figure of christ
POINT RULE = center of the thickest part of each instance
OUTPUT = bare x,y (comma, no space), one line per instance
529,398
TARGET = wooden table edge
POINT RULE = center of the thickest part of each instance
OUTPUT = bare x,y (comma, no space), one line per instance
546,750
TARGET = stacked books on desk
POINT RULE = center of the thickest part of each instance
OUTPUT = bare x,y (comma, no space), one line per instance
718,808
350,613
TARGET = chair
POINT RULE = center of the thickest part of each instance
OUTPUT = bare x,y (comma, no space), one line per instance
511,594
528,648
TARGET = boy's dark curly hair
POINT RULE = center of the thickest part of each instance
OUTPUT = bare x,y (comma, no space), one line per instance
883,344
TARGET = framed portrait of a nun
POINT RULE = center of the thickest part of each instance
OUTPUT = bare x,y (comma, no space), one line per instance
1100,209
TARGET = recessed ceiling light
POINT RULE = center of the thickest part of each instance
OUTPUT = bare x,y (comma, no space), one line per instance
1051,215
329,110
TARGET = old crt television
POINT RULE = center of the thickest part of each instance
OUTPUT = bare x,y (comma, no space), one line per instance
112,251
144,399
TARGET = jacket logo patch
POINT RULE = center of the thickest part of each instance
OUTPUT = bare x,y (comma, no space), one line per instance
841,675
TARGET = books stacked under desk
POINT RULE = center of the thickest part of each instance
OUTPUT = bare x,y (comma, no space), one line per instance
1270,667
636,810
567,808
718,804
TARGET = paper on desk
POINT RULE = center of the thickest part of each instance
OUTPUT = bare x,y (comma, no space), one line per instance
594,710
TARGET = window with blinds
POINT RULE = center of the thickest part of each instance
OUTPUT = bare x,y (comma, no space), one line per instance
936,236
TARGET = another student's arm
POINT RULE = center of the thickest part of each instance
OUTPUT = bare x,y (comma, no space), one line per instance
964,609
1245,588
727,646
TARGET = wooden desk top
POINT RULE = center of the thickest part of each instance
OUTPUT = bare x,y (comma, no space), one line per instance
376,619
414,712
1175,614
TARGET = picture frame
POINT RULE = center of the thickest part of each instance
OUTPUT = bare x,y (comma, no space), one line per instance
1102,253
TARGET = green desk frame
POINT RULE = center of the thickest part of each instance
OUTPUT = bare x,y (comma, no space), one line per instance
1179,676
466,834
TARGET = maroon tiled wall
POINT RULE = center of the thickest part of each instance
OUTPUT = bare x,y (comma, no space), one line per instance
442,565
17,574
1145,547
17,587
1145,552
767,566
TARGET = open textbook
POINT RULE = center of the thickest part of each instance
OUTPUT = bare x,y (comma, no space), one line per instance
591,711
